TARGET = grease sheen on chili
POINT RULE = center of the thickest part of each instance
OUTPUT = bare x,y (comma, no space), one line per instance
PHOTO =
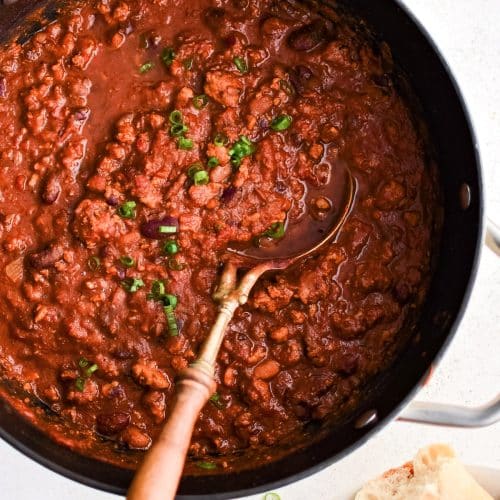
93,170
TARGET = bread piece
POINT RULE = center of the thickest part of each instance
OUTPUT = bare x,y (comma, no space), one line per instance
434,474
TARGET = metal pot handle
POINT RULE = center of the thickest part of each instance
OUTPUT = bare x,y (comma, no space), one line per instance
450,415
493,237
459,416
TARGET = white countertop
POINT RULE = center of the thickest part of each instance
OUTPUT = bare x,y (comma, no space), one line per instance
468,35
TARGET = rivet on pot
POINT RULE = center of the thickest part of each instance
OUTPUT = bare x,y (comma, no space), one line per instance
367,418
465,196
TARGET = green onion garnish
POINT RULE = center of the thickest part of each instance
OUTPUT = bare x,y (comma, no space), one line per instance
281,123
178,129
175,265
173,329
157,290
80,384
183,143
171,247
201,178
175,117
94,263
241,148
91,369
241,64
167,229
215,400
221,140
167,56
127,210
127,261
83,363
206,465
275,231
147,66
131,285
170,300
188,63
272,496
195,167
200,101
212,162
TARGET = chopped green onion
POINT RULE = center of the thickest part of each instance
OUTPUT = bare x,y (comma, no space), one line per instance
215,400
171,247
132,284
175,265
241,64
281,123
127,261
188,63
94,263
201,178
127,210
175,117
200,101
241,148
178,129
170,300
183,143
83,363
167,229
91,369
167,56
221,140
276,230
206,465
147,66
195,167
80,384
173,329
212,162
272,496
157,290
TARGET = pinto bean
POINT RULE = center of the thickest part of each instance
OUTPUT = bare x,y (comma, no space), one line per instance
135,438
51,190
267,370
108,424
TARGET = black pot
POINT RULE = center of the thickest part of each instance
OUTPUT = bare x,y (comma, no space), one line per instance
460,173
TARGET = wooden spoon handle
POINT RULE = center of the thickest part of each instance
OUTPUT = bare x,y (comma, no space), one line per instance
159,475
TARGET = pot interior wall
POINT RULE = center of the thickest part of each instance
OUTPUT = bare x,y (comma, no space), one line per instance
454,144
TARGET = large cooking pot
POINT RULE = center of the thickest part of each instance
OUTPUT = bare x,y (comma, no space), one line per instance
460,174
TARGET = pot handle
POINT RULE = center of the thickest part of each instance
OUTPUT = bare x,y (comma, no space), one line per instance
493,237
450,415
459,416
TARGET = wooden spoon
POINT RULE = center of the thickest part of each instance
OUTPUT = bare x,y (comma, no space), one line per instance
159,474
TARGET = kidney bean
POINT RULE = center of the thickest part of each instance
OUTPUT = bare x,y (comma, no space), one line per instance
228,194
214,17
108,424
308,37
150,229
45,258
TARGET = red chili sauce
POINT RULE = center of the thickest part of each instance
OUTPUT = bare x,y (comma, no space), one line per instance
142,138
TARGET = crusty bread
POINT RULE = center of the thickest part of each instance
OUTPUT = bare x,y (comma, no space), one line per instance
434,474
